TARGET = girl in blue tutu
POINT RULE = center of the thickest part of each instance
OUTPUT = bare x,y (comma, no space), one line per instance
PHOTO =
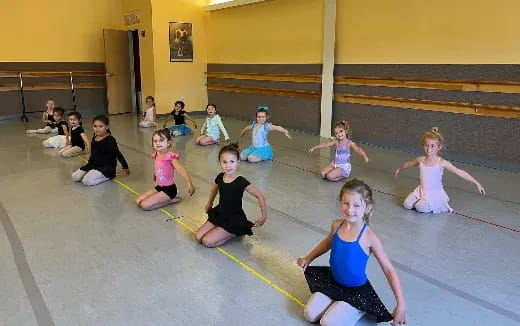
179,116
260,150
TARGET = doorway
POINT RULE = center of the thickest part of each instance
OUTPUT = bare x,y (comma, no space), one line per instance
135,61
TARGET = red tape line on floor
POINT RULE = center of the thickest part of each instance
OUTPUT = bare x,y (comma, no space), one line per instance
397,196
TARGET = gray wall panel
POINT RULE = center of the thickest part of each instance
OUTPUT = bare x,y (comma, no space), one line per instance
433,94
432,71
290,112
495,139
267,84
309,69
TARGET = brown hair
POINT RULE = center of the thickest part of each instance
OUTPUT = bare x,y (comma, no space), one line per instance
75,114
364,192
149,97
163,133
231,148
345,125
59,110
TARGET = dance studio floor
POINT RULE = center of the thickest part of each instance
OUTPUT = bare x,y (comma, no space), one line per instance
77,255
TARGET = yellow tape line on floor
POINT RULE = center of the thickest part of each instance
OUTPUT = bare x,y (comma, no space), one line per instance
223,251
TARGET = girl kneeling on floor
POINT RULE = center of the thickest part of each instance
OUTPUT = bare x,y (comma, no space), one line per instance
104,155
342,293
228,220
166,162
260,150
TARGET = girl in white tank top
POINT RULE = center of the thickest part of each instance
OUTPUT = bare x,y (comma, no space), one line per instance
149,114
430,196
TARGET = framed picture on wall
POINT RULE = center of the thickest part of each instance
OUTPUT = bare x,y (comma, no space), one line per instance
181,42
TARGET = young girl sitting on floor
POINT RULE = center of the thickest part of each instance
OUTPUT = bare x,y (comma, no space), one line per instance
260,150
79,141
149,115
342,293
166,162
62,138
48,119
430,196
104,155
228,220
340,168
210,132
179,116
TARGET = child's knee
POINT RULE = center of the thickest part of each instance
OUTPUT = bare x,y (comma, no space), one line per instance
253,159
77,176
311,315
422,206
316,306
331,177
408,205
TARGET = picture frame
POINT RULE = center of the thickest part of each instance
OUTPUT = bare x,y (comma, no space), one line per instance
181,42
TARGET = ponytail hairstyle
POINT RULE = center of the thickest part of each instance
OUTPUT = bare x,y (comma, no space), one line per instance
436,135
231,148
364,191
345,125
77,115
104,119
163,133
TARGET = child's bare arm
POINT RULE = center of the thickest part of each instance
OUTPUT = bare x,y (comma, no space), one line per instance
191,120
359,150
320,249
281,129
322,145
377,249
246,129
212,194
261,201
87,142
167,120
66,132
406,165
184,173
463,174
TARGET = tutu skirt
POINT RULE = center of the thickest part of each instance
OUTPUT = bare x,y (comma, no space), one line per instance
364,297
233,222
180,130
265,153
438,199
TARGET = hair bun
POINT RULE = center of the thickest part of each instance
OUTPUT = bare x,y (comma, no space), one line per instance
435,129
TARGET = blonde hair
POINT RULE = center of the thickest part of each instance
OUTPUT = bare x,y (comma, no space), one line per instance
364,191
434,134
343,124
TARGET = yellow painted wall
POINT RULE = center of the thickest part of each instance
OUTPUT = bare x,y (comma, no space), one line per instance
176,79
432,32
56,30
145,44
277,31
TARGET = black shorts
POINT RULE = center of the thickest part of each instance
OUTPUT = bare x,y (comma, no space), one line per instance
171,191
